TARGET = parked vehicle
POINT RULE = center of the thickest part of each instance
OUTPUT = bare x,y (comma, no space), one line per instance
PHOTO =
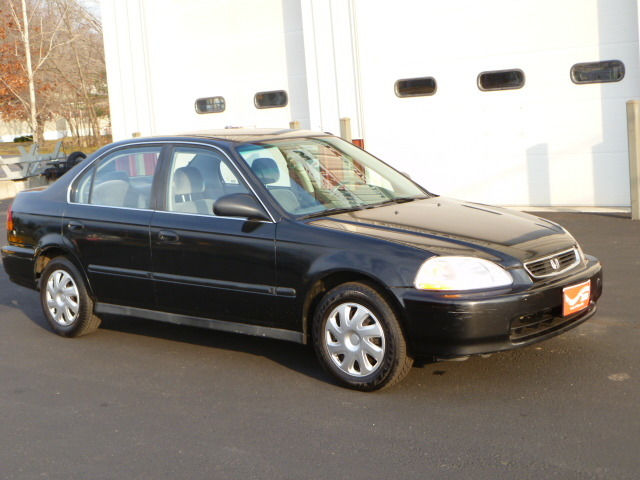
57,169
298,236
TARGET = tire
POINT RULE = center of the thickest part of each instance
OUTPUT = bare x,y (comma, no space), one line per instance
358,339
65,301
74,158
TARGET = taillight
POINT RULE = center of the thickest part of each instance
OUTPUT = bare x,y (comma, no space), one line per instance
11,234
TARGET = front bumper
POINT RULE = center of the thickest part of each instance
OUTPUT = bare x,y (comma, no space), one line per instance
454,325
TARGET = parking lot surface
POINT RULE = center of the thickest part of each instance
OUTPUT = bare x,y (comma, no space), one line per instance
145,400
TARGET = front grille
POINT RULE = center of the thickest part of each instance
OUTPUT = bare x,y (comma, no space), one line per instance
553,264
528,327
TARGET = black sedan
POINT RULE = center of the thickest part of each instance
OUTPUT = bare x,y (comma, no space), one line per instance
297,236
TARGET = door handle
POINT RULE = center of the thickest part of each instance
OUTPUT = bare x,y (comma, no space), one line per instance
165,236
75,226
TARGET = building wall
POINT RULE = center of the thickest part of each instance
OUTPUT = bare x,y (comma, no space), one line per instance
550,143
164,54
128,71
331,53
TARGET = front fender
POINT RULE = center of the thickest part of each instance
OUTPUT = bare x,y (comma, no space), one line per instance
358,263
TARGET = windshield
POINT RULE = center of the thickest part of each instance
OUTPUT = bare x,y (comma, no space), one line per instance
308,176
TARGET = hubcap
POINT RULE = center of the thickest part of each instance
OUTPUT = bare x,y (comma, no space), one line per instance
62,298
354,339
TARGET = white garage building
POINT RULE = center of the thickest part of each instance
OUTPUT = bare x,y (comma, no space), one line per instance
513,102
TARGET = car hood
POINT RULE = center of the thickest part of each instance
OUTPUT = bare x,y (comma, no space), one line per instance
444,226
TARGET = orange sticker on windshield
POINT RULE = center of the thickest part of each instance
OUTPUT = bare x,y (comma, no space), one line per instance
576,298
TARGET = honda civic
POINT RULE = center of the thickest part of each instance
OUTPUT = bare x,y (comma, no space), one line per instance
297,236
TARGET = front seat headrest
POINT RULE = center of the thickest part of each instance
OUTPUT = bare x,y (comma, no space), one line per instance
266,170
187,180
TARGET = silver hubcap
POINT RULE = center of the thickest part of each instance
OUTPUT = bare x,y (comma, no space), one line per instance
354,339
62,298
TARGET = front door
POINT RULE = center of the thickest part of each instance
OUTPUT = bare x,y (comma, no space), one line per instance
207,266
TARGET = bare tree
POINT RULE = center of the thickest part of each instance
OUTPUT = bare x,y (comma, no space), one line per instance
80,69
37,33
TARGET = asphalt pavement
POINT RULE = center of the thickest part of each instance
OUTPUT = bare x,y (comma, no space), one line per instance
145,400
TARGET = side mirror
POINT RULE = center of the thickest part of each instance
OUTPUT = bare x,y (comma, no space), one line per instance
239,205
406,175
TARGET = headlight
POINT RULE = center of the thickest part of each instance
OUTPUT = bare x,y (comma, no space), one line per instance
460,273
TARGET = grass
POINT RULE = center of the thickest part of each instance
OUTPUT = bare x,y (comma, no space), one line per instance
69,144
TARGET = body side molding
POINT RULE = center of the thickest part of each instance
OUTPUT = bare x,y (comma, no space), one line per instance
255,330
197,281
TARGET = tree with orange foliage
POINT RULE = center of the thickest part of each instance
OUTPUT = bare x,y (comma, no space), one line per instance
28,37
13,83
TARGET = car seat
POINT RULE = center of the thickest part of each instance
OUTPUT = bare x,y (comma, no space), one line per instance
188,187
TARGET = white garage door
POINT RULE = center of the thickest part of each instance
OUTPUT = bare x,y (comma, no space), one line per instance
551,142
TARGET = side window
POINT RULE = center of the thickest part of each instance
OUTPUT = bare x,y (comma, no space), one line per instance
269,165
227,176
121,179
83,187
197,178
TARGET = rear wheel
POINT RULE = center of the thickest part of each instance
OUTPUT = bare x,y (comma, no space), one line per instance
358,338
65,301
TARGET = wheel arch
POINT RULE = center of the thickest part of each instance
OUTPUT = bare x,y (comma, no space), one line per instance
330,280
45,254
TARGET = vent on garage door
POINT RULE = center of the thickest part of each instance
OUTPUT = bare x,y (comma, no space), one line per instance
273,99
501,80
210,105
416,87
597,72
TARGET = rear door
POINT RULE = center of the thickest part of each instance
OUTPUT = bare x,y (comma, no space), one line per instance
220,268
107,221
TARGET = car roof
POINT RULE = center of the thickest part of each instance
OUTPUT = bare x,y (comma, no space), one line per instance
243,135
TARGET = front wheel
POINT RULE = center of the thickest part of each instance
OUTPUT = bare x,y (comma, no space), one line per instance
358,339
65,301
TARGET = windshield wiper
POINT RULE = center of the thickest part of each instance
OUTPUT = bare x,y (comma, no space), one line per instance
334,211
393,201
